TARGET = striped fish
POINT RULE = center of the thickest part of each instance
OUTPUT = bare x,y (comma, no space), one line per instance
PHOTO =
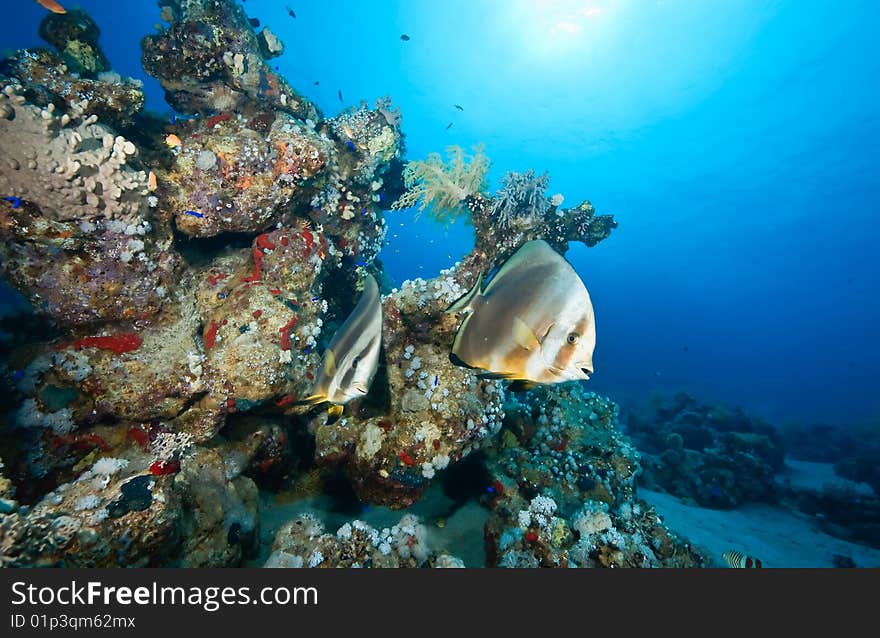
351,359
532,324
738,560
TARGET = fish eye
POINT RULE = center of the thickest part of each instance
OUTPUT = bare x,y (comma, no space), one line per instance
572,338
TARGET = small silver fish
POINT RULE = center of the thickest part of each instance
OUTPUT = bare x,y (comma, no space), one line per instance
739,560
533,323
350,361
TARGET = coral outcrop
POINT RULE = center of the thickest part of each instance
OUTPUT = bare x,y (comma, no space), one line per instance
303,542
564,493
192,272
717,457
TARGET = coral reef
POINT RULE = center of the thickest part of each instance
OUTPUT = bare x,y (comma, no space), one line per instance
716,457
190,273
564,493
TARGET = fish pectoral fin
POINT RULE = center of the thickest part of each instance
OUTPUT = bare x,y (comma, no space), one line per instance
329,363
520,385
334,412
464,302
523,335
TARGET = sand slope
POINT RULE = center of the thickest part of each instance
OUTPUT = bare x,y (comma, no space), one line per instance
778,537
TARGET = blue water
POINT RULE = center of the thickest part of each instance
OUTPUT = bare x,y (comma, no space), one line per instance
736,141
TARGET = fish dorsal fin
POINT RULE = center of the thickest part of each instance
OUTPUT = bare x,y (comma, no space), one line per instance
329,363
529,253
464,302
523,335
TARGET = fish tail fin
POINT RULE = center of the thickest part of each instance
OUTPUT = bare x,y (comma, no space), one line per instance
334,412
465,301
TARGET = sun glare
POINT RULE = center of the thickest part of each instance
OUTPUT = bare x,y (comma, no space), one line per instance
562,27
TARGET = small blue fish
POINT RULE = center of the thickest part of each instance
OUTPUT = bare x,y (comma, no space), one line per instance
436,380
361,262
364,212
490,490
173,118
308,349
316,299
351,145
16,202
381,197
194,214
17,374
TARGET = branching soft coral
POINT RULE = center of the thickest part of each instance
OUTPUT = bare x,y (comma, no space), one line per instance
442,186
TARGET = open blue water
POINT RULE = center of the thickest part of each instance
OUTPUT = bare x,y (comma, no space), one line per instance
736,141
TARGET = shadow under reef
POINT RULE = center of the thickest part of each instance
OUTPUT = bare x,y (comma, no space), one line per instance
450,509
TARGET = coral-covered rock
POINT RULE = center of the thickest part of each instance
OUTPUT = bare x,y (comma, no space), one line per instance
565,492
108,517
209,61
714,456
45,79
220,519
76,223
74,35
240,174
303,542
261,321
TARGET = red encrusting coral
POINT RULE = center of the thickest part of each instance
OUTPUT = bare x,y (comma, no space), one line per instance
265,243
216,119
287,400
163,468
118,344
79,442
405,458
215,279
139,436
211,335
258,263
285,333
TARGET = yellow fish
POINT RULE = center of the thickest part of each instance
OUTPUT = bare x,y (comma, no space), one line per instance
350,361
533,323
172,140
